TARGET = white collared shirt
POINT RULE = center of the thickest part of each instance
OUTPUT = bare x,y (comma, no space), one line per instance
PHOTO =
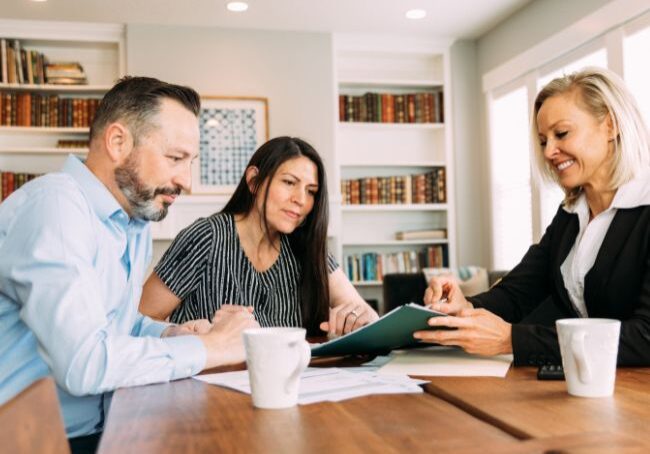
590,238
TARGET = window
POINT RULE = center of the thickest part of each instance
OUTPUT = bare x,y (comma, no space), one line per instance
521,210
517,218
510,178
636,68
596,58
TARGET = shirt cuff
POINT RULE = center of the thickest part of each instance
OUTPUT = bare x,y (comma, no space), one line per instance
151,327
188,354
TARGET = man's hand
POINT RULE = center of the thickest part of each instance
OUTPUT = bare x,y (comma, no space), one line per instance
201,326
347,317
224,343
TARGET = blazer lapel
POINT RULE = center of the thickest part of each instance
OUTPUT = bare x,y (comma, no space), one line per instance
616,236
567,239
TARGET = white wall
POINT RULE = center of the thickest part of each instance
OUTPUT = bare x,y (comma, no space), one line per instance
294,70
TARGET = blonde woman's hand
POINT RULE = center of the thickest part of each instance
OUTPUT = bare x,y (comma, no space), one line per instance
444,295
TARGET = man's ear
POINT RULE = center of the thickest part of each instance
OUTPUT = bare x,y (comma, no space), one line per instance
118,141
251,178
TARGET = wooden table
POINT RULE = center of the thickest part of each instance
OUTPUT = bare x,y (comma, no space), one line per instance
530,409
462,415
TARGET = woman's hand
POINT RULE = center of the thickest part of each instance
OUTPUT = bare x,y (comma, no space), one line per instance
476,331
347,317
444,295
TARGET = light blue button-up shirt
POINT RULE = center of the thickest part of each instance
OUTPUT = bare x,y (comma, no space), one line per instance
72,265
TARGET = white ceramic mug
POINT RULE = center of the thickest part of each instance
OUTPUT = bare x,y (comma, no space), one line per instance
589,349
275,358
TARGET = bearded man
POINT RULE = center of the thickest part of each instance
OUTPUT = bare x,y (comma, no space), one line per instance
74,247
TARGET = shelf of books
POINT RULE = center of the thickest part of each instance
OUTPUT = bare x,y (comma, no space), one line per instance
58,88
52,77
394,155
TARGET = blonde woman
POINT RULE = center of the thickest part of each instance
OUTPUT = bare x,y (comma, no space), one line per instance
594,259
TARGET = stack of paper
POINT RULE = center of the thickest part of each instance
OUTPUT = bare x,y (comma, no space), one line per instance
327,384
445,362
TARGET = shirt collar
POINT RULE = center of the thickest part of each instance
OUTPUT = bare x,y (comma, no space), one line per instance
634,193
100,198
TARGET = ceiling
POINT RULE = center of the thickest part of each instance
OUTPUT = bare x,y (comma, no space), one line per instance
445,18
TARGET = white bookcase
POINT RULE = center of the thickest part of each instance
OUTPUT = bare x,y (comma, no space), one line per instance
100,50
397,66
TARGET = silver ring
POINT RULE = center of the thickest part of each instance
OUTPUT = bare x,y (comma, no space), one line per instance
354,312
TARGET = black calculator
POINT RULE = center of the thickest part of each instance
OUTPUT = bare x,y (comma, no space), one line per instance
550,372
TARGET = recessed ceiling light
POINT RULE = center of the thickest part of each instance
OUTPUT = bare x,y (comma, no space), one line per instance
237,7
416,14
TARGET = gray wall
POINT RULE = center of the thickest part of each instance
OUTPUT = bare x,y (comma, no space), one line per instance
293,70
530,25
471,212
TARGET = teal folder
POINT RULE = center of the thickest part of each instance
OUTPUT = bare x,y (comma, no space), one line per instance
394,330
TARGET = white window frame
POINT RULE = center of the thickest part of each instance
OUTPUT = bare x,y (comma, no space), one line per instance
489,101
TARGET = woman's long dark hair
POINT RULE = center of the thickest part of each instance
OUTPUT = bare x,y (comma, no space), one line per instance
309,240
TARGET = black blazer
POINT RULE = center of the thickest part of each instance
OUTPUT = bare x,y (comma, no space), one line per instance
532,296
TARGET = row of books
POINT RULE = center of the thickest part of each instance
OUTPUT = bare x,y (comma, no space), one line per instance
35,109
429,187
24,66
10,181
70,143
423,107
372,266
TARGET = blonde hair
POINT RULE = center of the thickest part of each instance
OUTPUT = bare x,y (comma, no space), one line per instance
600,92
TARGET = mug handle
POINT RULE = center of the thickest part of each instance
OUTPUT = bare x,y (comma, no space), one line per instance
304,352
580,356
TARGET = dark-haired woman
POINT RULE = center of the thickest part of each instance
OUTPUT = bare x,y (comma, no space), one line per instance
266,249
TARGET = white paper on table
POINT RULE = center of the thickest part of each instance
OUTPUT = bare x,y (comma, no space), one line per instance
326,384
445,362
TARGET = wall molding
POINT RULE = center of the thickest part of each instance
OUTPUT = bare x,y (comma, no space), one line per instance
611,15
62,31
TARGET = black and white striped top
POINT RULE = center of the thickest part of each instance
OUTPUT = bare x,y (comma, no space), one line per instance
205,266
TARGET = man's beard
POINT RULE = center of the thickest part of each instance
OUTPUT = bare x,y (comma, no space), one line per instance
140,196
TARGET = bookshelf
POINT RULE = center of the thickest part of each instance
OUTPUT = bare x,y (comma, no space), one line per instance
100,50
374,151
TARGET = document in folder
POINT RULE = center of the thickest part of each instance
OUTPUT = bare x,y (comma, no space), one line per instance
394,330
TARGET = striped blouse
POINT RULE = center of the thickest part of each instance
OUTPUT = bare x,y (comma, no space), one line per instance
205,267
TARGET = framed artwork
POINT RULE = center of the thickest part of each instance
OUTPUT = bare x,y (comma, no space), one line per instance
232,128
